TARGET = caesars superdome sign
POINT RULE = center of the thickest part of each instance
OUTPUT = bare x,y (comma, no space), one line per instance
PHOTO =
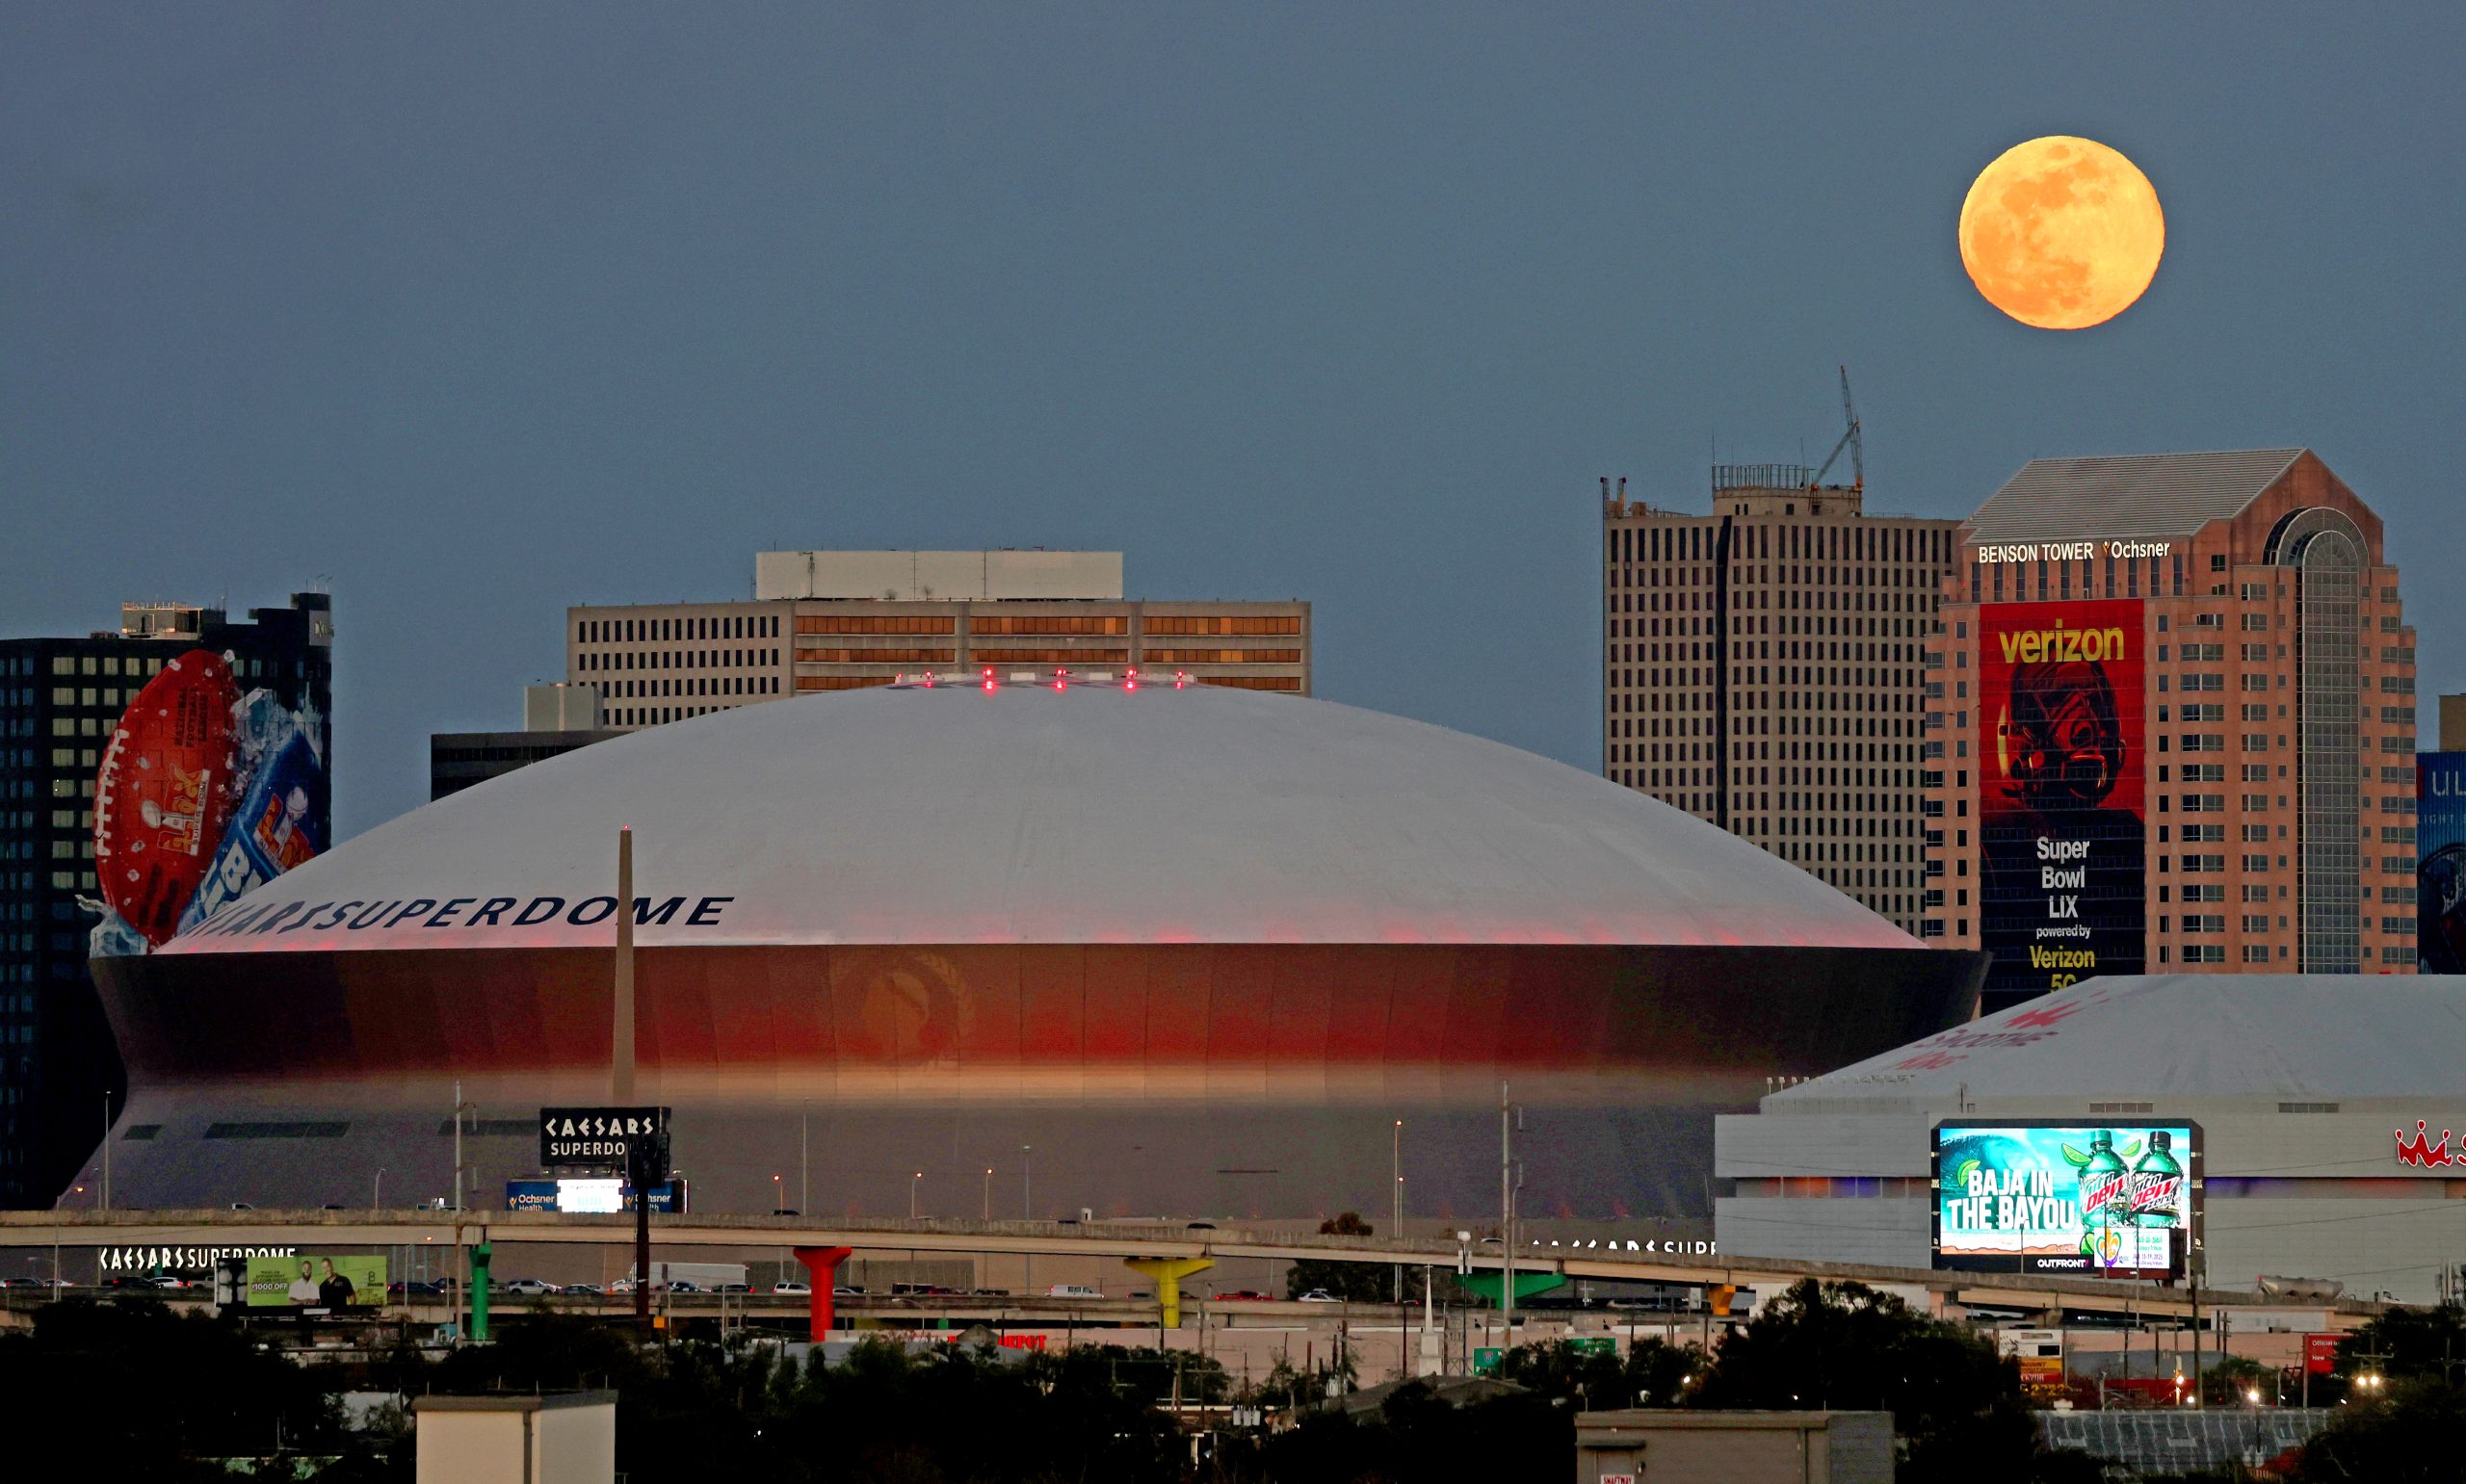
426,912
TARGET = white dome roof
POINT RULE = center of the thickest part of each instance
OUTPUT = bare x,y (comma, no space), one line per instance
2184,1035
1027,814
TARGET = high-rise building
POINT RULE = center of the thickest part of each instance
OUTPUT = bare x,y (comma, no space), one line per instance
1762,670
821,621
2171,726
556,719
61,702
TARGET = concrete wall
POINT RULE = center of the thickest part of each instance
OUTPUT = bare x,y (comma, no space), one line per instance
927,575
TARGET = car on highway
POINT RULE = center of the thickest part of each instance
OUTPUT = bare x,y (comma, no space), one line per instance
414,1288
680,1285
1244,1296
843,1290
531,1288
584,1287
734,1288
1073,1290
169,1281
127,1281
791,1288
1319,1296
20,1283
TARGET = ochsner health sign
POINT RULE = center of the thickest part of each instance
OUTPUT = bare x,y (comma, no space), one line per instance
2061,762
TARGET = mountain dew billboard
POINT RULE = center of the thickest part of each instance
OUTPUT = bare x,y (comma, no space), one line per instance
2092,1200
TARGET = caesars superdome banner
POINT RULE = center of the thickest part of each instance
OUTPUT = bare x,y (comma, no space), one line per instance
2440,862
2062,757
204,792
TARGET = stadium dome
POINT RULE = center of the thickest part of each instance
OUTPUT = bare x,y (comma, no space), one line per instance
956,921
1093,814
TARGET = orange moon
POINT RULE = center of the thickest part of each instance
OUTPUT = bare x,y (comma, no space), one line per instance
2061,233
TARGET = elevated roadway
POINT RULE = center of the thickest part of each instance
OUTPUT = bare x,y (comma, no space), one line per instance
1146,1241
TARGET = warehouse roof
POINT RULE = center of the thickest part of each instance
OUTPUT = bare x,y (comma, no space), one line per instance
2287,1036
2134,495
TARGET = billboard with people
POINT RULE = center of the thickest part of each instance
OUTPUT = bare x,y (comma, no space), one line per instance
205,790
319,1285
2093,1199
2061,756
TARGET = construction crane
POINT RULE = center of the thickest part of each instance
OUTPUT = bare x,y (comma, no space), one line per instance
1849,439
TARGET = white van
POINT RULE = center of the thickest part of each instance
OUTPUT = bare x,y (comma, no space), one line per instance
1073,1290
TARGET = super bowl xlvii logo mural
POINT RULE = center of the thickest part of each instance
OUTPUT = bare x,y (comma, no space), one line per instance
204,792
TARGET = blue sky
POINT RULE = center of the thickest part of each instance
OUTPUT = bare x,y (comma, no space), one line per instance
473,315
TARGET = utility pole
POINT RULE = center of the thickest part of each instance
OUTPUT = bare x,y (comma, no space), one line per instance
107,1150
621,1044
1507,1221
1396,1223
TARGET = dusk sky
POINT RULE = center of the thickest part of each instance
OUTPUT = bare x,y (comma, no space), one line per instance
473,315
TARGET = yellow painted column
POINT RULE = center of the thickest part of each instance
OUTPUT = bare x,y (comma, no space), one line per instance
1169,1273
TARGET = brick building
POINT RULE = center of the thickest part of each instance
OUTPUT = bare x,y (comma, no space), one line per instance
2170,727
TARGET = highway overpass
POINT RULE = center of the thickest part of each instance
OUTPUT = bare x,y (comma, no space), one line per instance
1148,1242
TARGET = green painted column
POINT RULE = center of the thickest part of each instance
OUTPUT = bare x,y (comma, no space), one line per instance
479,1255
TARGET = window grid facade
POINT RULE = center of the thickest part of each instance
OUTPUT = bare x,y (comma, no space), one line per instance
2273,637
1764,670
658,663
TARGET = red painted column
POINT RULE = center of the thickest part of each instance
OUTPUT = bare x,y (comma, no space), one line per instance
822,1274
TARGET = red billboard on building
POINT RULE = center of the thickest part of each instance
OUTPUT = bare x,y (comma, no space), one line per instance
2061,756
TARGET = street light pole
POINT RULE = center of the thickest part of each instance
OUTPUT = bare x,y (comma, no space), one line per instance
1506,1224
1027,1182
107,1150
913,1182
1396,1224
376,1187
989,1192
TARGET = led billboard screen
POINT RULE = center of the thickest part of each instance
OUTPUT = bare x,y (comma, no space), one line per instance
316,1285
2062,757
204,792
2092,1200
2440,862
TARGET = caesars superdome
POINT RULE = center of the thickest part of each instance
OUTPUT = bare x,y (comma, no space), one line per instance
1141,949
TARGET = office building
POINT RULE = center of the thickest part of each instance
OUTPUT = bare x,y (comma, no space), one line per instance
556,719
64,703
1762,670
826,621
2174,696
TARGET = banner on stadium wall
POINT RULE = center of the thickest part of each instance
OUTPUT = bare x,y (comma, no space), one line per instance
204,792
2440,862
2061,759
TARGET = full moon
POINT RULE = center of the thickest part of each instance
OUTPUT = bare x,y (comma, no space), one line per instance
2061,233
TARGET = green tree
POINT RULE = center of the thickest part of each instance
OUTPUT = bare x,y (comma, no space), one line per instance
2415,1433
1955,1405
139,1392
1651,1375
1355,1282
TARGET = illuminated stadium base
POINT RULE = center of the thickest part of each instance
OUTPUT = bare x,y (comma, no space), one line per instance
1196,950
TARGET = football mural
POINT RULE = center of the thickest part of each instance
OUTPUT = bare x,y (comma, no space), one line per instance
204,792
